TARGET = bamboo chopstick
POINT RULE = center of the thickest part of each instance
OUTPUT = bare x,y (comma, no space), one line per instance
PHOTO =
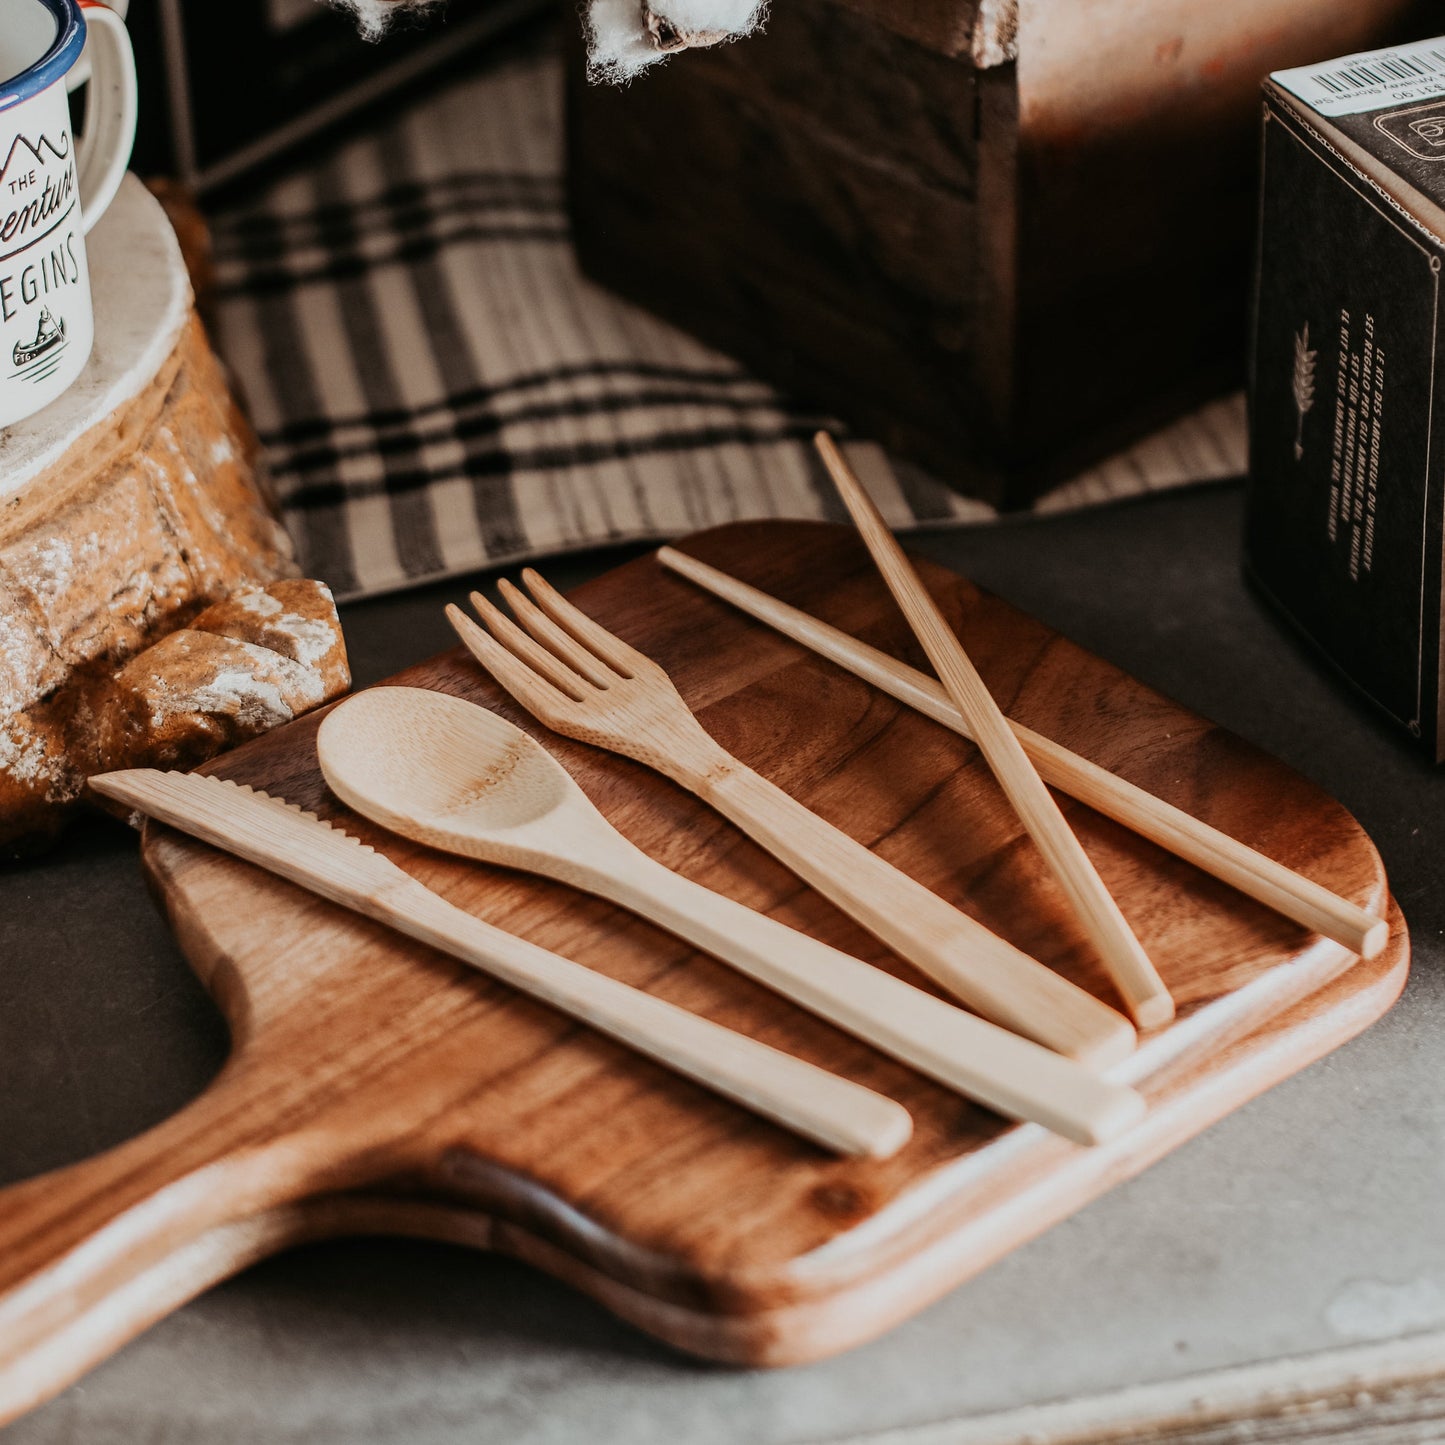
1128,965
1259,877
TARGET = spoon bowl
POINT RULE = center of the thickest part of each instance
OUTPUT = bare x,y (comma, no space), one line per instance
442,771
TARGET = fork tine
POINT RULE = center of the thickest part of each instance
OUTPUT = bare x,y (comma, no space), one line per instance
612,649
535,693
554,639
510,637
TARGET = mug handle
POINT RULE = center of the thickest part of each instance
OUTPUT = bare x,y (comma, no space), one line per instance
104,149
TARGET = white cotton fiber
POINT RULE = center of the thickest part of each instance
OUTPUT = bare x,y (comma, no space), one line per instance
618,45
373,16
624,37
731,17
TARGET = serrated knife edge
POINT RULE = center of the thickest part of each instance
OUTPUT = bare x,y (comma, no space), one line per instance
268,831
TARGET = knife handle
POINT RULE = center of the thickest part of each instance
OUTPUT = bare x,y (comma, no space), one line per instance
831,1111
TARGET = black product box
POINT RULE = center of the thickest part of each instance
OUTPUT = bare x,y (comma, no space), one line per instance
1347,429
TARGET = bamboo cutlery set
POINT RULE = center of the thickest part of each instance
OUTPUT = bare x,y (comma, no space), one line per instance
454,776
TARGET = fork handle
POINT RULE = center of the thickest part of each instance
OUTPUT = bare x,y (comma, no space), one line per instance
986,972
998,1069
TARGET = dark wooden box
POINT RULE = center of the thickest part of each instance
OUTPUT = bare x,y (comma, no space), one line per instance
1002,240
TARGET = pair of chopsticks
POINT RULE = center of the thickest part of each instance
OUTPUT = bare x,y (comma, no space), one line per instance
1131,969
960,702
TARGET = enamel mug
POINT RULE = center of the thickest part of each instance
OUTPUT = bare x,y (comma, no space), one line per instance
55,185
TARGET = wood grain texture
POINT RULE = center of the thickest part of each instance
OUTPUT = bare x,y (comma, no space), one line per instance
854,269
131,509
154,513
817,1105
375,1084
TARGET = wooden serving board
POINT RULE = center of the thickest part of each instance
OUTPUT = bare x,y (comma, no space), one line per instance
376,1085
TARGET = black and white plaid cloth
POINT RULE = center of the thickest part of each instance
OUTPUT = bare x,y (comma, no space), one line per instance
437,388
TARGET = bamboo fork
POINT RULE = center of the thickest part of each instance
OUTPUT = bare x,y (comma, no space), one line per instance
1251,872
583,681
1128,965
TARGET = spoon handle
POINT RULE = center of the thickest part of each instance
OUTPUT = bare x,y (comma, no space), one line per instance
1011,1075
832,1111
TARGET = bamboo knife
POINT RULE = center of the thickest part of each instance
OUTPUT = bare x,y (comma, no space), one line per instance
831,1111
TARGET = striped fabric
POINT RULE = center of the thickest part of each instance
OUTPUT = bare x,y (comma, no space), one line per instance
437,388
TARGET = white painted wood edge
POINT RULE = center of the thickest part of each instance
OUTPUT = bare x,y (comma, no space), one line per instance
953,1180
143,299
1345,1382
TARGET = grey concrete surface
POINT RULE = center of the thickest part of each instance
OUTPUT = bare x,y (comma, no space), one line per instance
1309,1219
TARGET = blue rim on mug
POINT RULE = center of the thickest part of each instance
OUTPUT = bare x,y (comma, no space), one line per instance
64,51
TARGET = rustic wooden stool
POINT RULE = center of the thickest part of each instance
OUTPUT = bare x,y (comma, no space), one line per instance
128,508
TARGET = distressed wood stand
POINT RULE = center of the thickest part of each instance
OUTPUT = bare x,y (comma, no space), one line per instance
128,507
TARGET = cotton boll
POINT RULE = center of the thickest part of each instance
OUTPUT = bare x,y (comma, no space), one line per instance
373,16
626,36
618,42
730,17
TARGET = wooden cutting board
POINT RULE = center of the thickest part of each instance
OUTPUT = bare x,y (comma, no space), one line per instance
377,1086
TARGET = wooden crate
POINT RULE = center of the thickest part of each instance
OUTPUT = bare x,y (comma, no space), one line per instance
1002,240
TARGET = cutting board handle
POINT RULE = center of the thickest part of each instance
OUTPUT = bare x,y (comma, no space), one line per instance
90,1254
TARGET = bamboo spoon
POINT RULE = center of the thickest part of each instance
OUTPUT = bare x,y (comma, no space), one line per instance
1251,872
452,775
1128,965
587,683
831,1111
